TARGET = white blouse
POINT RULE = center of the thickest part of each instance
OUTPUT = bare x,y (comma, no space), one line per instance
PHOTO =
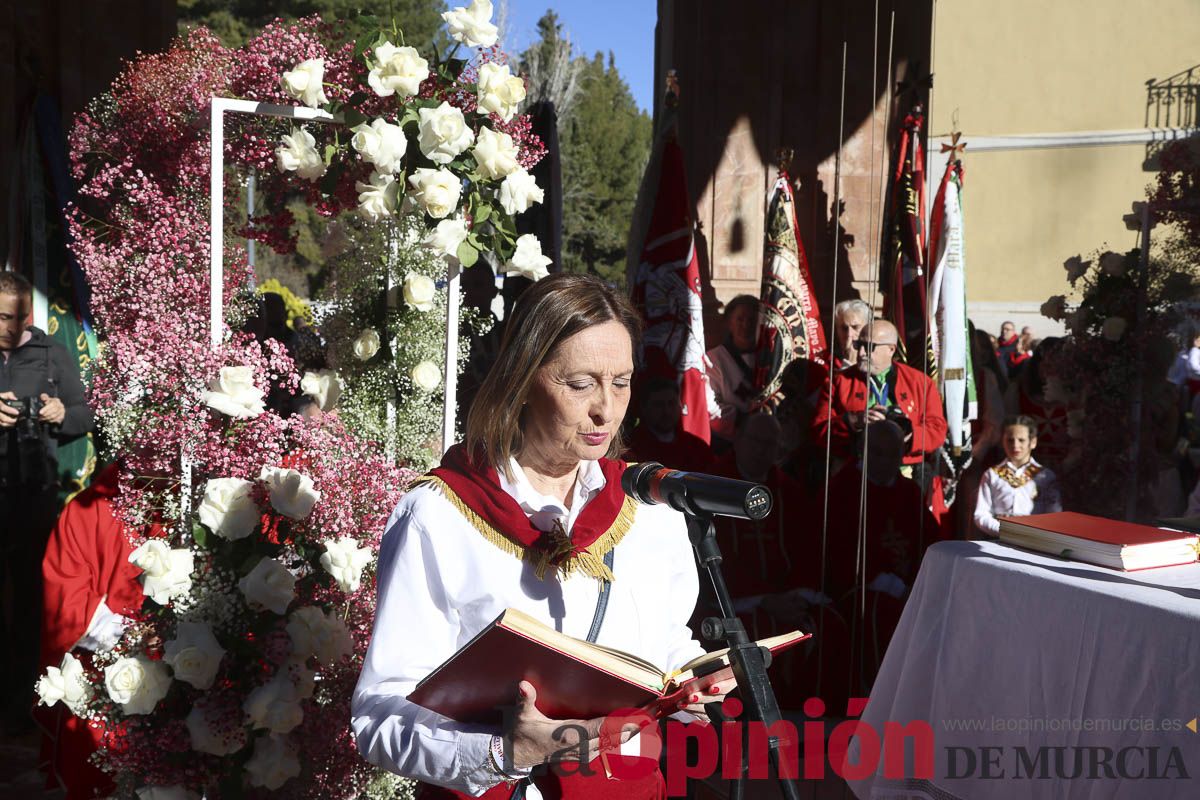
441,582
999,498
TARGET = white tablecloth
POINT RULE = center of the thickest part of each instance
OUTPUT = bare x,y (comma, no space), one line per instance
1003,648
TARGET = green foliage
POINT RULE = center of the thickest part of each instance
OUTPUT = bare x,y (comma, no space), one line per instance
605,143
235,21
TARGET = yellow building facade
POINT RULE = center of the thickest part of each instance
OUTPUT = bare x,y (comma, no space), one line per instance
1086,72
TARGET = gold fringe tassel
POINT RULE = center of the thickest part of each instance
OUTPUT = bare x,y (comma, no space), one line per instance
590,561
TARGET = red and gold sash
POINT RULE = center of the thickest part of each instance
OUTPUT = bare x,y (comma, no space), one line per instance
476,492
1016,479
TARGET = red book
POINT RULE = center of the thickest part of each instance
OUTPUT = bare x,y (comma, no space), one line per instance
1106,542
574,679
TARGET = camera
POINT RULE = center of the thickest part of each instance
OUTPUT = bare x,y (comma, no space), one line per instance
896,416
24,456
27,408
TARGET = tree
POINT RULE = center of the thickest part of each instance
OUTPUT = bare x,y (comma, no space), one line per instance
236,21
605,144
551,69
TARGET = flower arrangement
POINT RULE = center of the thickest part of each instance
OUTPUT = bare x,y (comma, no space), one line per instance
1110,353
256,533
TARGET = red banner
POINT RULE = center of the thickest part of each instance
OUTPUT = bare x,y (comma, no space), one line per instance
666,288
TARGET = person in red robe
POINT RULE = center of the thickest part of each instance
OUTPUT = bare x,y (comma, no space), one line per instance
878,560
881,386
89,586
659,435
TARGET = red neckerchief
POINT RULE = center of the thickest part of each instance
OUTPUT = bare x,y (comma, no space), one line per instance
476,492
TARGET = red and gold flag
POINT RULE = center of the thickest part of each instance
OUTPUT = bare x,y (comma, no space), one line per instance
790,325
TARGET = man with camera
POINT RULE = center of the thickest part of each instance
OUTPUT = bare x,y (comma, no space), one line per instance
880,388
42,404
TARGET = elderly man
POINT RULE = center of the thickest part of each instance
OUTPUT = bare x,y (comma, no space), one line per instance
849,319
880,388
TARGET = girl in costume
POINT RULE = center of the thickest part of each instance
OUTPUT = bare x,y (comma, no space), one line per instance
1018,486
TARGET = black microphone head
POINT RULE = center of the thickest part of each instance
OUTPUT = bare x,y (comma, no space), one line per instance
758,502
632,483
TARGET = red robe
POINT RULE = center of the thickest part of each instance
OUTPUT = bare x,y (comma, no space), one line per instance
86,562
686,452
915,394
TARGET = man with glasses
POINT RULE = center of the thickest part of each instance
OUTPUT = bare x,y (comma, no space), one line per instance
880,388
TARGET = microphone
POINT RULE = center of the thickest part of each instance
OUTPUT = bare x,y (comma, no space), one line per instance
695,493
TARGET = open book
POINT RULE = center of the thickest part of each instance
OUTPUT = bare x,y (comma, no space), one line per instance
1106,542
574,679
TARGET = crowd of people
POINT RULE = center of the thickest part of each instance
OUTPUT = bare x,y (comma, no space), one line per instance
852,455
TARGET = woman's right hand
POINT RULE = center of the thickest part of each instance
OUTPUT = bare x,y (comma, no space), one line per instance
537,739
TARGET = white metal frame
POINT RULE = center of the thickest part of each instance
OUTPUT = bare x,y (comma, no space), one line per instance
220,107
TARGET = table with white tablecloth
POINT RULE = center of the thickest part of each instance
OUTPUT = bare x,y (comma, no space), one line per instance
1043,678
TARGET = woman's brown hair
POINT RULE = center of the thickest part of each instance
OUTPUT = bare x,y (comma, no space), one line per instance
549,312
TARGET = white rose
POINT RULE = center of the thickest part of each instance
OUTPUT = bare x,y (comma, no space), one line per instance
175,792
519,191
381,143
228,510
298,154
436,190
194,654
500,92
344,559
304,679
447,236
219,740
136,683
1076,268
472,25
366,345
443,133
426,376
1113,328
315,633
68,683
528,260
323,386
1113,264
419,290
234,394
166,572
397,69
306,82
377,199
495,154
274,706
292,493
269,585
273,764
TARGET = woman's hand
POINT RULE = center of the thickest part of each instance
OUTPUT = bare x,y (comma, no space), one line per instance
537,739
713,694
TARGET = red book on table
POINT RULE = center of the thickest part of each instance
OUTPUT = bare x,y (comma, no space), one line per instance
1096,540
574,679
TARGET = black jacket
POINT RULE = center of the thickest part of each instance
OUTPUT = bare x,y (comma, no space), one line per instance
42,365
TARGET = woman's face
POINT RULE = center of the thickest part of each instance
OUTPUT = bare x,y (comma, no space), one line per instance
578,397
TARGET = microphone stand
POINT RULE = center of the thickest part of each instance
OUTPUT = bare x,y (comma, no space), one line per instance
748,660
